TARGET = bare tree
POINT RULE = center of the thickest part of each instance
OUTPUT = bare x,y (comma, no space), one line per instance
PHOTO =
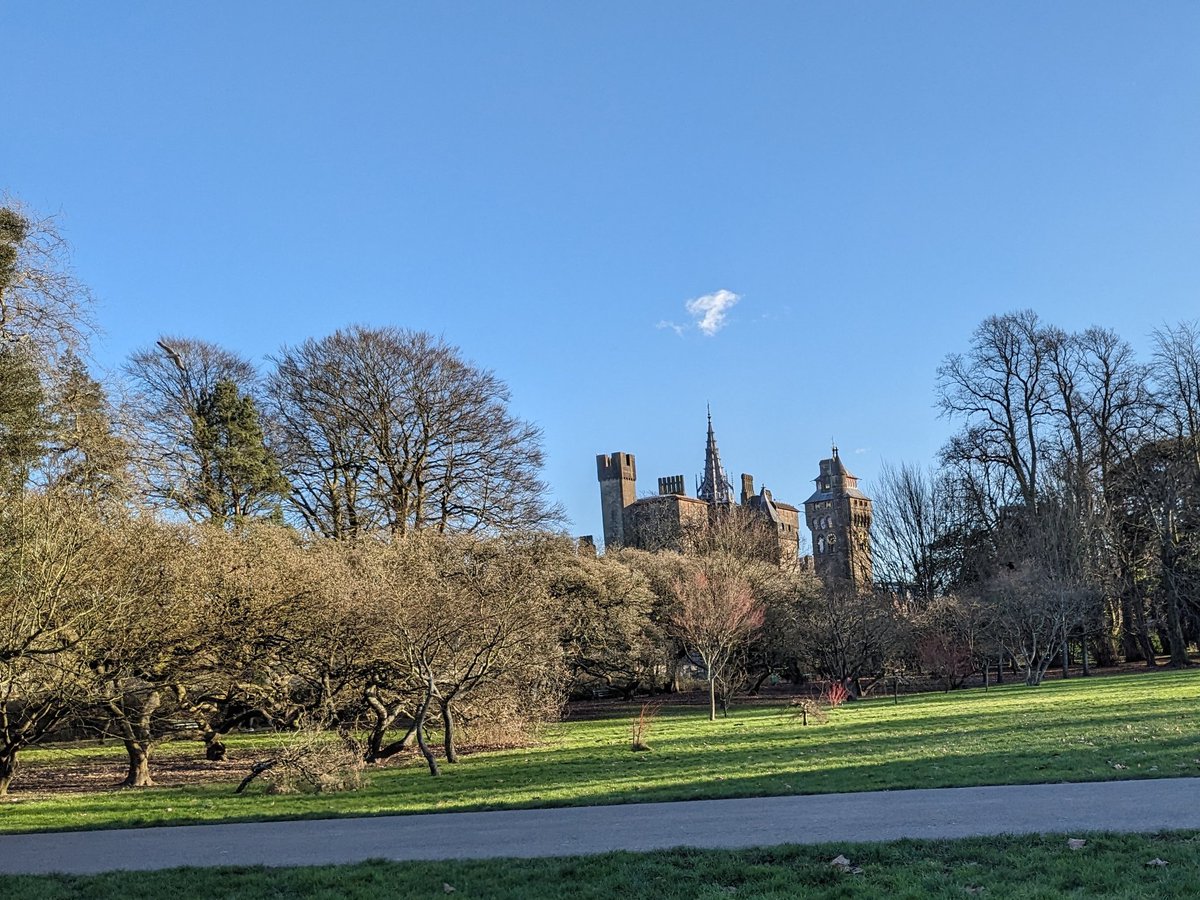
198,432
41,303
56,593
715,615
1001,390
847,635
389,427
613,636
912,524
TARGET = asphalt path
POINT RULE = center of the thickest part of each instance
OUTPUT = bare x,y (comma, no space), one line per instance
1130,806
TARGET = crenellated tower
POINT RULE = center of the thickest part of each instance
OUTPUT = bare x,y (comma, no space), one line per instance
617,473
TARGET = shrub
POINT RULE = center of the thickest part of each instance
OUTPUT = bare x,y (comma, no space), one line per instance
642,725
807,709
834,695
311,761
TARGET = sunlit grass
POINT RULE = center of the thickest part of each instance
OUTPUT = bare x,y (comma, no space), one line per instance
1120,727
1108,866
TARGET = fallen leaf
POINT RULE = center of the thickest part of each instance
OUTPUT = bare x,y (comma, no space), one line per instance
974,889
840,861
1120,766
1076,843
1158,862
447,888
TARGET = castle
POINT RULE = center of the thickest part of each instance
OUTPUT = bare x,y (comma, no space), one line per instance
838,514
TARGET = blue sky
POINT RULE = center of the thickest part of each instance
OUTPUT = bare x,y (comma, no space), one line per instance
549,184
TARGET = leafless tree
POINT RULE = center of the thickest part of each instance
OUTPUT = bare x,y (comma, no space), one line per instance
42,304
715,615
393,428
56,594
179,463
847,635
1001,390
613,634
913,522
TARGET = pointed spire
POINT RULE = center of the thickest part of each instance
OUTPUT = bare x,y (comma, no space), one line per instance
715,486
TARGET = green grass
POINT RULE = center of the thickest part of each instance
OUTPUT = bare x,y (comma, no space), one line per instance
1118,727
1109,866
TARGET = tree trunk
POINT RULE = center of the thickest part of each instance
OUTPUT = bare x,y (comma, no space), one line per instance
214,748
419,725
139,765
8,768
712,698
1175,639
448,733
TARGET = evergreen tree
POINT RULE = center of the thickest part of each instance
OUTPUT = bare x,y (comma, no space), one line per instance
23,424
87,455
239,476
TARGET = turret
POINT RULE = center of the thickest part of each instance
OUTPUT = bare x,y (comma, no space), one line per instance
617,474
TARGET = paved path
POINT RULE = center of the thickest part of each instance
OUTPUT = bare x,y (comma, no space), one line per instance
943,813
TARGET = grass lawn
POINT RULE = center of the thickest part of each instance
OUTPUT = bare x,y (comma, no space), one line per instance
1116,727
1108,866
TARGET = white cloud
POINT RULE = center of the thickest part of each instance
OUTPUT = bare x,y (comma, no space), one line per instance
674,326
709,311
861,450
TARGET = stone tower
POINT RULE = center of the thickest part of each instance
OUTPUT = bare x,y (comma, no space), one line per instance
839,517
618,490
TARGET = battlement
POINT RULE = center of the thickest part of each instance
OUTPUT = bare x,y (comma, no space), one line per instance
611,467
672,484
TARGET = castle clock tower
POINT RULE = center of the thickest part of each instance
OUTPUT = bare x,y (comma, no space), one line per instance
839,517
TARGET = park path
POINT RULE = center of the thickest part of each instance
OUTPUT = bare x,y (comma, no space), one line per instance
761,821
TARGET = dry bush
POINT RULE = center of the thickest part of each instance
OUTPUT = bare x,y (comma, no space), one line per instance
642,725
311,761
807,710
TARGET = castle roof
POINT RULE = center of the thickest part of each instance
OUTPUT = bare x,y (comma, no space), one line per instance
837,476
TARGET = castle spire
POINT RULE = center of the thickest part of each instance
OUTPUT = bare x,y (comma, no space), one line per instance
715,486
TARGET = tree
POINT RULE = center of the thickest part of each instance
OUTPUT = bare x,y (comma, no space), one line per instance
198,429
1156,491
244,478
1001,389
42,305
254,604
146,648
389,428
613,636
1032,611
477,633
911,528
85,454
56,594
24,426
715,615
847,635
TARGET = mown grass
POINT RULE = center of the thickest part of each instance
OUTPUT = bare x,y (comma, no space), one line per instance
1108,866
1118,727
